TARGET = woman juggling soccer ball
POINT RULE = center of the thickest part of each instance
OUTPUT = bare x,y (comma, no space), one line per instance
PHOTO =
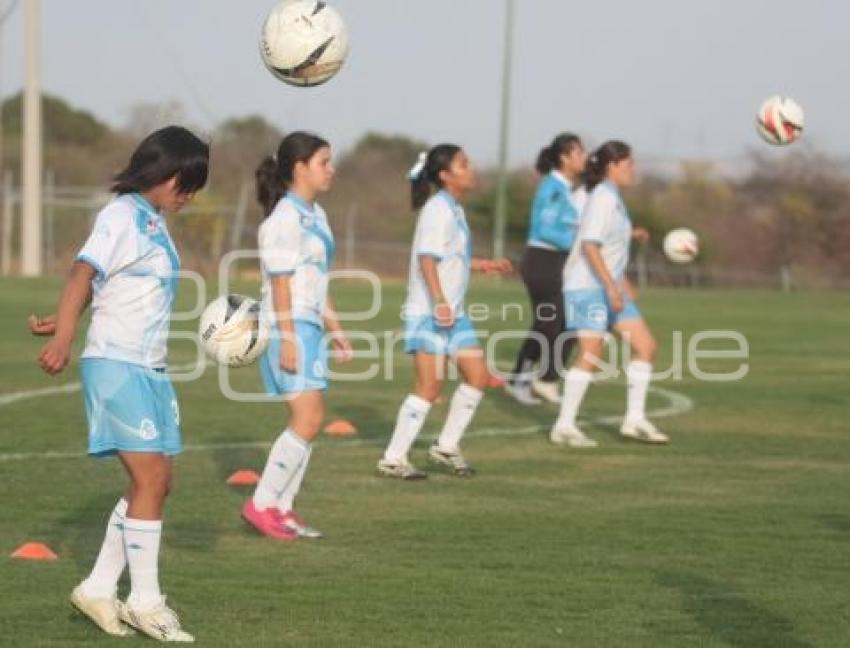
127,270
599,297
436,327
296,252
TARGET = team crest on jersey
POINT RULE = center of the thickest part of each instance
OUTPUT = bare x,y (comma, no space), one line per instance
152,227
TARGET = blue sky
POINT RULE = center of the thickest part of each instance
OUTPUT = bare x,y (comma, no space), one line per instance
673,77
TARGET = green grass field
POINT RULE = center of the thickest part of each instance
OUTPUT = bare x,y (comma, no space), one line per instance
737,534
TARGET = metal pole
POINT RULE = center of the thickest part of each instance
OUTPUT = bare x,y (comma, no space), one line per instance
6,9
49,212
8,224
32,154
500,220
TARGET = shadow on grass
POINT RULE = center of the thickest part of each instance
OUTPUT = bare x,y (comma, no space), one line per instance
728,615
836,521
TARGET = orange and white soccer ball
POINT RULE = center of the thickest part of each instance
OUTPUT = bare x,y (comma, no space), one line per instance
780,121
681,245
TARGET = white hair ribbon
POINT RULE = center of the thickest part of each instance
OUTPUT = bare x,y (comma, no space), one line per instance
416,171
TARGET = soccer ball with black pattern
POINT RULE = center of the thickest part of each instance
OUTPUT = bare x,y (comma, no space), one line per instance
232,331
304,42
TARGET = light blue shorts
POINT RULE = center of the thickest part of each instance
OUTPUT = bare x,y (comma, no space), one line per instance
130,408
312,362
590,310
422,334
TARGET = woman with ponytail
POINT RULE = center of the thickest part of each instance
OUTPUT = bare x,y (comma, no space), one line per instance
436,327
555,214
296,252
599,297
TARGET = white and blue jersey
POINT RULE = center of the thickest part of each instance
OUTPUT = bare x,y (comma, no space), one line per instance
555,213
442,233
295,241
606,223
130,402
135,286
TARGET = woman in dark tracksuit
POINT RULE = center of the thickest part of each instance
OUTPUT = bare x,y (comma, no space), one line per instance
555,213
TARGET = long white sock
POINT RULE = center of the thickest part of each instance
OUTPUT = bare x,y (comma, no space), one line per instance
102,582
575,387
638,375
284,461
411,418
464,403
141,542
287,500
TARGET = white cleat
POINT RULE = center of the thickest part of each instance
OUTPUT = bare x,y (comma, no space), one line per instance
401,469
452,459
159,622
572,437
521,392
103,612
548,391
643,431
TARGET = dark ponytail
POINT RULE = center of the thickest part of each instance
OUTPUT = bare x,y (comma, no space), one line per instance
426,172
550,157
274,176
597,163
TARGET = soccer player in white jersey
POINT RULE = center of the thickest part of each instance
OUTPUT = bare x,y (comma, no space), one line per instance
436,326
127,270
599,296
296,252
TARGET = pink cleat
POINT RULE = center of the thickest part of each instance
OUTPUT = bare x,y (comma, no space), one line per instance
268,522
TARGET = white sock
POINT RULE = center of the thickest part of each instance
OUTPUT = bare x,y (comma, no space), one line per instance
575,387
284,461
111,561
411,418
141,542
464,403
638,375
286,501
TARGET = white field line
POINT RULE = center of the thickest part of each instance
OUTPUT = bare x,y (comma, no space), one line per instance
677,404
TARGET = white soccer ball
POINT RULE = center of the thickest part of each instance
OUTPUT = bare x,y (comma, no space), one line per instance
780,121
681,245
232,330
304,42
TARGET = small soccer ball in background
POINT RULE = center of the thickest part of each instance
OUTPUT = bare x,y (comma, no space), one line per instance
232,331
304,42
780,121
681,245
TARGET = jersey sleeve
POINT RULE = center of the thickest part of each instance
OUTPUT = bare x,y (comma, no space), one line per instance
110,245
433,231
598,217
279,243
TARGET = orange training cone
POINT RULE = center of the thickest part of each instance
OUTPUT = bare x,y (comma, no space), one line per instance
243,478
340,428
34,551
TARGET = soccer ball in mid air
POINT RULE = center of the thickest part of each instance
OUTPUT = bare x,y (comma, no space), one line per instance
681,245
304,42
780,121
232,331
